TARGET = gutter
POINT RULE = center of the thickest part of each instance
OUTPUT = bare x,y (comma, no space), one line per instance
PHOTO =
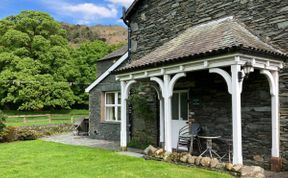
127,23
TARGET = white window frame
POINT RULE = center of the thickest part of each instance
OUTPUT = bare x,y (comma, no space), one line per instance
116,106
179,92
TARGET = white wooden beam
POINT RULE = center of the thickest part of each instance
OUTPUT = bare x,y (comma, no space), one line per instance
161,114
236,115
273,79
125,88
225,75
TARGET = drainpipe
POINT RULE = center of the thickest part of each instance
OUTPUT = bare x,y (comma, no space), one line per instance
127,23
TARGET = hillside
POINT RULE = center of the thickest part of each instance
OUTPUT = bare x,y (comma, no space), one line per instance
80,33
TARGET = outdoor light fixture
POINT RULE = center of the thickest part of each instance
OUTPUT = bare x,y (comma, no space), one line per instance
247,68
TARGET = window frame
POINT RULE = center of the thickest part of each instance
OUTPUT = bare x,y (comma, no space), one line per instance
116,106
179,92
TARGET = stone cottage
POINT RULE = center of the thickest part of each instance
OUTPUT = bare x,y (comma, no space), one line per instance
226,61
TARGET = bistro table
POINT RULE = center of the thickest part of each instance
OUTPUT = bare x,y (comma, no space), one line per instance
209,148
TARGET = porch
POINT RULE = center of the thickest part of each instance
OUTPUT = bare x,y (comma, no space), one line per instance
214,86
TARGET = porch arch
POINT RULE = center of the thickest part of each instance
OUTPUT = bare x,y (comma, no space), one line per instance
125,88
166,86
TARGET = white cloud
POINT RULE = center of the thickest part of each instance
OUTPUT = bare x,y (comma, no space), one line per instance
125,3
82,13
89,10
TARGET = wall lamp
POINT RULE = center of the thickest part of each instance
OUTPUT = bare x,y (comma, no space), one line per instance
247,68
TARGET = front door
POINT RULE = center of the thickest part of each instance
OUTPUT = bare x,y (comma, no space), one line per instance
179,114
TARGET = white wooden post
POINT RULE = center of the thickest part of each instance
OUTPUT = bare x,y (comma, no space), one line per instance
123,139
125,87
162,129
273,79
161,115
275,117
236,115
167,114
166,86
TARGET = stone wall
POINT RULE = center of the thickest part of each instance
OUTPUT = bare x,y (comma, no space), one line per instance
283,84
145,115
97,128
158,21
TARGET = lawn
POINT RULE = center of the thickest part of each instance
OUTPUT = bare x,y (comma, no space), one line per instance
65,117
34,159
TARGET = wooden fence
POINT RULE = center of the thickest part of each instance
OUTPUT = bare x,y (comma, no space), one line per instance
50,118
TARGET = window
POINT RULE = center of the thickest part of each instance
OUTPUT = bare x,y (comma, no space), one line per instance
112,106
180,105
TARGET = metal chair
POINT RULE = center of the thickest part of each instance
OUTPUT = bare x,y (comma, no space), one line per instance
187,137
184,138
81,127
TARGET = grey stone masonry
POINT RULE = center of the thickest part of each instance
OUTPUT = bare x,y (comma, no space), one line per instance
211,103
156,22
98,128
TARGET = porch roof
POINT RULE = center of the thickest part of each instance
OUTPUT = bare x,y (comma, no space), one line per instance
217,37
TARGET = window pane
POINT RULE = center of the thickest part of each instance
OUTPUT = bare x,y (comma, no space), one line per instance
110,113
184,106
175,106
110,98
119,113
119,98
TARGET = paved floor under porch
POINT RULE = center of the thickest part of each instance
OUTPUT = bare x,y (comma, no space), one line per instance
71,139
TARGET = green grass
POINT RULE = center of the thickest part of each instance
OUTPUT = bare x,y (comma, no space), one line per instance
43,120
34,159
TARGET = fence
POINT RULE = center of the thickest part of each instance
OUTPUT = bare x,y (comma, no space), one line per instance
50,117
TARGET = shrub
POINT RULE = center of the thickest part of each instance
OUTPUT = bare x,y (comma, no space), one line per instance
27,134
9,134
2,120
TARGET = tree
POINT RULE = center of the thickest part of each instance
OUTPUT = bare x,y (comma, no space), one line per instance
39,69
85,57
35,63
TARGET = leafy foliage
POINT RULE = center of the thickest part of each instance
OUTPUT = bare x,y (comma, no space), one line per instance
38,68
2,120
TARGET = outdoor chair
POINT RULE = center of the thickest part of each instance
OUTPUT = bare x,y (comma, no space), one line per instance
227,143
81,127
187,137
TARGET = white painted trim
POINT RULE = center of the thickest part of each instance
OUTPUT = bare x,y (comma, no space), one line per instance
125,88
107,72
273,79
202,64
161,114
236,115
179,92
116,106
173,82
225,75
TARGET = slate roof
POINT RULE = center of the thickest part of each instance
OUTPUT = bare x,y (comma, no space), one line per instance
118,53
209,38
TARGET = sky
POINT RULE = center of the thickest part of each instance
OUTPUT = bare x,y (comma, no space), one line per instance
84,12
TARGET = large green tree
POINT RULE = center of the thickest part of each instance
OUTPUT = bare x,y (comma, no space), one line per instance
39,69
85,57
35,63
